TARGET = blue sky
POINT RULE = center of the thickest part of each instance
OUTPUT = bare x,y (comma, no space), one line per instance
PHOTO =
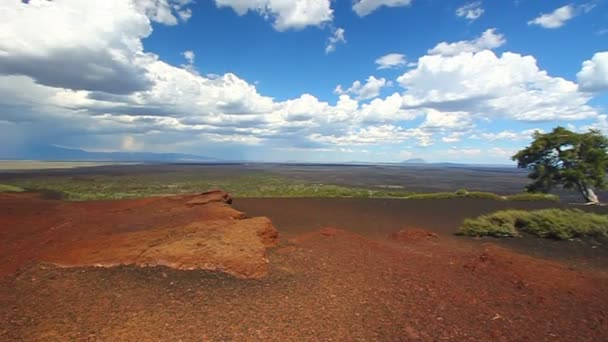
306,80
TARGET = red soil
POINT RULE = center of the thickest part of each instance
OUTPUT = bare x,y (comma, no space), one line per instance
324,284
182,232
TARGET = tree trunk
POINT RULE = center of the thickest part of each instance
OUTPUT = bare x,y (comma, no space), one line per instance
589,195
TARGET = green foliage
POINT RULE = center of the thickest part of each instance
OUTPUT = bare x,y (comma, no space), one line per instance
531,196
254,184
547,223
458,194
562,157
462,192
499,224
10,188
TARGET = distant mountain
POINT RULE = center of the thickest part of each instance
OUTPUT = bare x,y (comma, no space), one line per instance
414,161
56,153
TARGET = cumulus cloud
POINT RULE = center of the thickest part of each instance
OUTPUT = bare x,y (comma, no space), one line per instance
336,38
450,121
370,89
506,135
85,46
382,134
507,86
165,12
391,61
365,7
190,56
554,19
470,11
593,76
488,40
110,93
285,14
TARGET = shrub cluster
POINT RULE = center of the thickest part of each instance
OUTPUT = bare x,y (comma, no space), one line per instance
533,196
558,224
10,188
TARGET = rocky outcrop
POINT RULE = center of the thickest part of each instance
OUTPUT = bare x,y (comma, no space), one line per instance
211,196
218,238
413,235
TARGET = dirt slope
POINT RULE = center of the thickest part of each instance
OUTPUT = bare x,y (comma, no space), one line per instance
183,232
323,284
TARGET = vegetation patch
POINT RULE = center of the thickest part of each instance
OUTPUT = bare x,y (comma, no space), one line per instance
561,224
533,196
462,193
10,188
255,184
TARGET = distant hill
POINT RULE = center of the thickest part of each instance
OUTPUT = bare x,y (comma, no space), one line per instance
414,161
56,153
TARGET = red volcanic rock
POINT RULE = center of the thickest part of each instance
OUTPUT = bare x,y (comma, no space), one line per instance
184,232
412,235
330,231
211,196
236,247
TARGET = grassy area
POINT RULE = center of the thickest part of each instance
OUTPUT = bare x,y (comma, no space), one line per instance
547,223
10,188
528,196
254,184
457,194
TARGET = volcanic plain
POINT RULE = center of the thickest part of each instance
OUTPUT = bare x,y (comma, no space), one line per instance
205,266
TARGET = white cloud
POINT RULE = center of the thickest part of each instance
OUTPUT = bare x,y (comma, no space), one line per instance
111,94
365,7
554,19
452,137
285,14
442,121
510,86
85,45
593,76
189,56
165,12
336,38
506,135
370,89
129,143
382,134
470,11
384,111
391,61
600,124
488,40
502,152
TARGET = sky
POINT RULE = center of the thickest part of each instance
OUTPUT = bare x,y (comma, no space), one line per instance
300,80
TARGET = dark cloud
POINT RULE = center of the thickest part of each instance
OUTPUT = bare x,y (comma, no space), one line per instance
78,69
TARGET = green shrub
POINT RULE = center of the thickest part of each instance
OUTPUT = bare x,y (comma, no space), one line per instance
10,188
433,195
458,194
530,196
486,195
499,224
547,223
461,192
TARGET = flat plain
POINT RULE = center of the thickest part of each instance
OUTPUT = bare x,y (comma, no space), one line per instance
361,255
